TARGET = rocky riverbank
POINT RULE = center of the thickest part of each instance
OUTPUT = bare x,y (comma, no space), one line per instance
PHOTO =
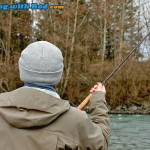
134,109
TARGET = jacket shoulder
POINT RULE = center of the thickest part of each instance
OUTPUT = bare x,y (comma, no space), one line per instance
4,96
78,113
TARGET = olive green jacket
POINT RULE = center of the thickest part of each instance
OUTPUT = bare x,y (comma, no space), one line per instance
33,120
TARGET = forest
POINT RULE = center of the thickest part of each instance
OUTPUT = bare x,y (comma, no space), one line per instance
94,37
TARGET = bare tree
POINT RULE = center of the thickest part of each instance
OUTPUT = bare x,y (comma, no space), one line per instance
123,3
71,49
9,35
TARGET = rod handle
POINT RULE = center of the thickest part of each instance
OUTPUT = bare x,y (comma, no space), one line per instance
84,103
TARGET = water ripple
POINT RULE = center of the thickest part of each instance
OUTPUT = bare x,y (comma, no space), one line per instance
130,132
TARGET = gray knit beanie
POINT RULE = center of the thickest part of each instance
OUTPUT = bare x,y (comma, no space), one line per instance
41,62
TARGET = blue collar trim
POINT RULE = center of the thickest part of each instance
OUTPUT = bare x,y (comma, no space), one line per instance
48,87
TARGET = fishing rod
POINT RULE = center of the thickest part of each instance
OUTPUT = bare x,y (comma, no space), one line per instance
87,99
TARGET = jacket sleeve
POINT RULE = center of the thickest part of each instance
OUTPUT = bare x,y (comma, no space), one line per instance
95,127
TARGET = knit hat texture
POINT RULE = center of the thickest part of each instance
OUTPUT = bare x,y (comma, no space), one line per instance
41,62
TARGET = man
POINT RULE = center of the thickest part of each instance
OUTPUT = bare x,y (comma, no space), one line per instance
34,117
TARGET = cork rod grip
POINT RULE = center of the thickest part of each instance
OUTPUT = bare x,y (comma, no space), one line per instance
84,103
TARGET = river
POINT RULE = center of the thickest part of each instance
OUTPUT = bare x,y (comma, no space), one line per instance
130,132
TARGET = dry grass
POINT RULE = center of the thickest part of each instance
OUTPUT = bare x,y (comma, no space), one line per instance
131,84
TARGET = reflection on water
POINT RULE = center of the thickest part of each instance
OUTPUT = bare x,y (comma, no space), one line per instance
130,132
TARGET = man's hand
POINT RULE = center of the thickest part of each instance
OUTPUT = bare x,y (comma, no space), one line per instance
98,87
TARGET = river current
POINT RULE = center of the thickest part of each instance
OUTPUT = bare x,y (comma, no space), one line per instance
129,132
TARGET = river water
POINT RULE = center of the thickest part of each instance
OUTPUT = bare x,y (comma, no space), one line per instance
130,132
